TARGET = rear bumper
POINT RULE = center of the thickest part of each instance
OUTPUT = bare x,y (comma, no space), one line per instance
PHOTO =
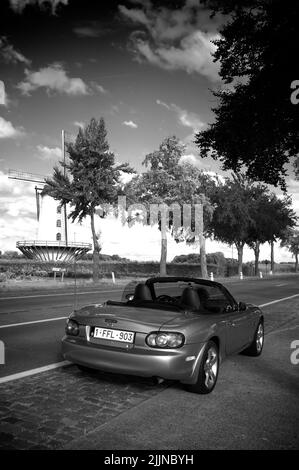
180,364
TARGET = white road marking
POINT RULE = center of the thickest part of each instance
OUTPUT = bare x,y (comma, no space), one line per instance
33,322
282,330
279,300
27,373
280,285
60,294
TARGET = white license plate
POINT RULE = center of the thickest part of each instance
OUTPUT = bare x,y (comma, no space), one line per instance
114,335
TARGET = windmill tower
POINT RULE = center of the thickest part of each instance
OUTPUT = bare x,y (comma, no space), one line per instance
52,242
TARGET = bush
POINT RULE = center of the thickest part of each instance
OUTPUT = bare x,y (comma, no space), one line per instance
3,277
41,273
12,255
192,258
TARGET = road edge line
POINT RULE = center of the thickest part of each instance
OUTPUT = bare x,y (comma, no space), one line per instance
60,294
279,300
38,370
33,322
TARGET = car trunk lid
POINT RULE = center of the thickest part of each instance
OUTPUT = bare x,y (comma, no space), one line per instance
138,319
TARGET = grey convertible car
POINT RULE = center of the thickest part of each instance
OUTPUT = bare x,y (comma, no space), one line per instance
172,328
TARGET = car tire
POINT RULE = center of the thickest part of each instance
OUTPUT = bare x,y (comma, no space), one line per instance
256,347
208,370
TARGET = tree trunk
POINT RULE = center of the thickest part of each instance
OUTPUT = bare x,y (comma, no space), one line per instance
163,269
203,258
96,251
256,258
240,247
296,262
163,259
272,255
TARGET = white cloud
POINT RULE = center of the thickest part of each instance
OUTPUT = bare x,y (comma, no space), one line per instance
7,130
87,32
131,124
19,5
53,78
178,39
47,153
189,158
185,118
91,29
194,54
17,212
163,104
98,87
79,124
137,16
10,54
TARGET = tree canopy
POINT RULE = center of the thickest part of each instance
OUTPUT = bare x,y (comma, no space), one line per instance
256,124
291,242
168,180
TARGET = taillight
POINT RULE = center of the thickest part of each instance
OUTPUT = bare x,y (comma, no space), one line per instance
72,328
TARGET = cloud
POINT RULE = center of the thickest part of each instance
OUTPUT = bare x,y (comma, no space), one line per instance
163,104
79,124
97,87
91,29
185,118
47,153
9,54
131,124
7,130
87,32
19,5
17,212
53,78
178,39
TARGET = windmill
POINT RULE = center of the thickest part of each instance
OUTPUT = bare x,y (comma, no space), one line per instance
59,250
32,178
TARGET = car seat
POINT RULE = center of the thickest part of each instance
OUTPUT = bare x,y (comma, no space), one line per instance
190,298
142,292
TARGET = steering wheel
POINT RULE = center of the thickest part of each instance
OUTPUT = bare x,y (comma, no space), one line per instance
166,298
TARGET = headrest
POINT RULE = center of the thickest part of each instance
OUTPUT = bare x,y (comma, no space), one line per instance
190,298
142,292
202,293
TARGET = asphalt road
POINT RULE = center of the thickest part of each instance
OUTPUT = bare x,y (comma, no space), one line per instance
32,324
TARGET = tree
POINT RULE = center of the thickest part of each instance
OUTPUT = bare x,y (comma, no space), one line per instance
256,124
91,178
280,216
193,186
271,217
157,185
168,181
258,230
232,219
291,242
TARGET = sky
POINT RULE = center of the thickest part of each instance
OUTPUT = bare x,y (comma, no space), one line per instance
145,66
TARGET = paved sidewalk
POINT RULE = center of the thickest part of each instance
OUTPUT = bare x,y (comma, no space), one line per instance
48,410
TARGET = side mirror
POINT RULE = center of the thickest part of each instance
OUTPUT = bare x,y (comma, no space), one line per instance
242,306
